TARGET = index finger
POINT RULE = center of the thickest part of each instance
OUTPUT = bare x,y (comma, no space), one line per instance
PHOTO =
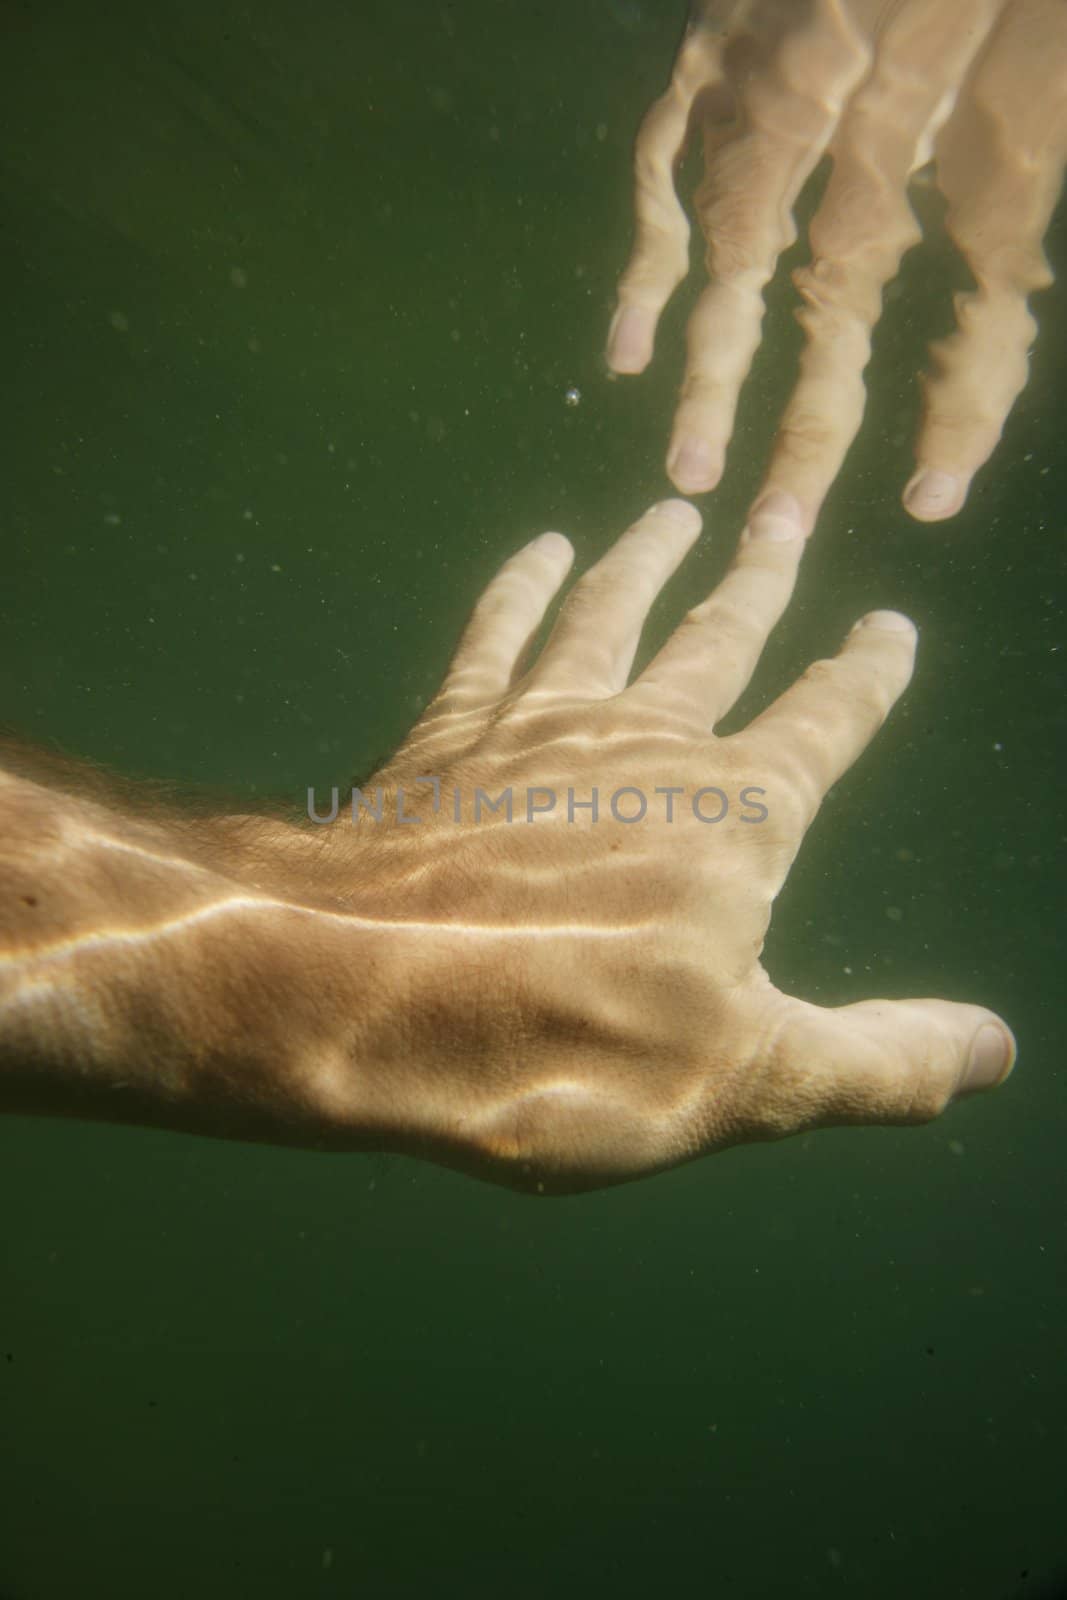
660,256
793,71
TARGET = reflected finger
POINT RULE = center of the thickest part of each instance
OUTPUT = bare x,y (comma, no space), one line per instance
789,103
660,256
1000,164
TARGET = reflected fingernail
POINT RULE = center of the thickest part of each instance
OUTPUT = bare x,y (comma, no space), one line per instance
931,493
679,511
776,518
991,1059
692,465
630,339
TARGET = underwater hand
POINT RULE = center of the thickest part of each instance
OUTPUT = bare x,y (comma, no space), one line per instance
531,948
979,86
589,1004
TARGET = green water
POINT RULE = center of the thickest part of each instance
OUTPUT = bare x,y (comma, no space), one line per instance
293,295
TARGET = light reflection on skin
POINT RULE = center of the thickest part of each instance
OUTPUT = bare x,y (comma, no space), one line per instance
555,1007
561,1007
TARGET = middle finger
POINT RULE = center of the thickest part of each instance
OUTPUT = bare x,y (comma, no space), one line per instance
793,80
592,646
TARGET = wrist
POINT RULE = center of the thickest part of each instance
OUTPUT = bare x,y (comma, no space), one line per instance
151,972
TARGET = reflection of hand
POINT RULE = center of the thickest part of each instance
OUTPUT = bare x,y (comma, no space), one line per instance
979,84
556,1003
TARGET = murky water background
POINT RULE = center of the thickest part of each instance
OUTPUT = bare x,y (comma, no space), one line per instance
294,299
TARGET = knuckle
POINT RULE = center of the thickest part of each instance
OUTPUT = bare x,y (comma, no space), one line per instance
808,436
742,238
731,623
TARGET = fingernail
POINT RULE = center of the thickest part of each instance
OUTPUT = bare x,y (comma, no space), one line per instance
891,621
679,511
630,339
776,518
932,494
991,1059
552,543
692,466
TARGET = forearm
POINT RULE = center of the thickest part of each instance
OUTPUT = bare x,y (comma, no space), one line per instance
140,982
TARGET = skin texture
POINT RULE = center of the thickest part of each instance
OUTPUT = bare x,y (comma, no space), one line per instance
551,1004
980,87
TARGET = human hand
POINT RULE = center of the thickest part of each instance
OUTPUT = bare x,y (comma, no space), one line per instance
585,1001
982,87
551,999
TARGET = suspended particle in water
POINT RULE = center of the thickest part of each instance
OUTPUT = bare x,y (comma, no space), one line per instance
572,397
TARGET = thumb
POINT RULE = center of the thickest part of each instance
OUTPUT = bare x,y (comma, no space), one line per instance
888,1061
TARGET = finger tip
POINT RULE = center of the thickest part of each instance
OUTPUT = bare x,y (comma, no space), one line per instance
991,1057
630,340
777,516
933,495
889,622
683,512
624,365
691,486
693,466
556,546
